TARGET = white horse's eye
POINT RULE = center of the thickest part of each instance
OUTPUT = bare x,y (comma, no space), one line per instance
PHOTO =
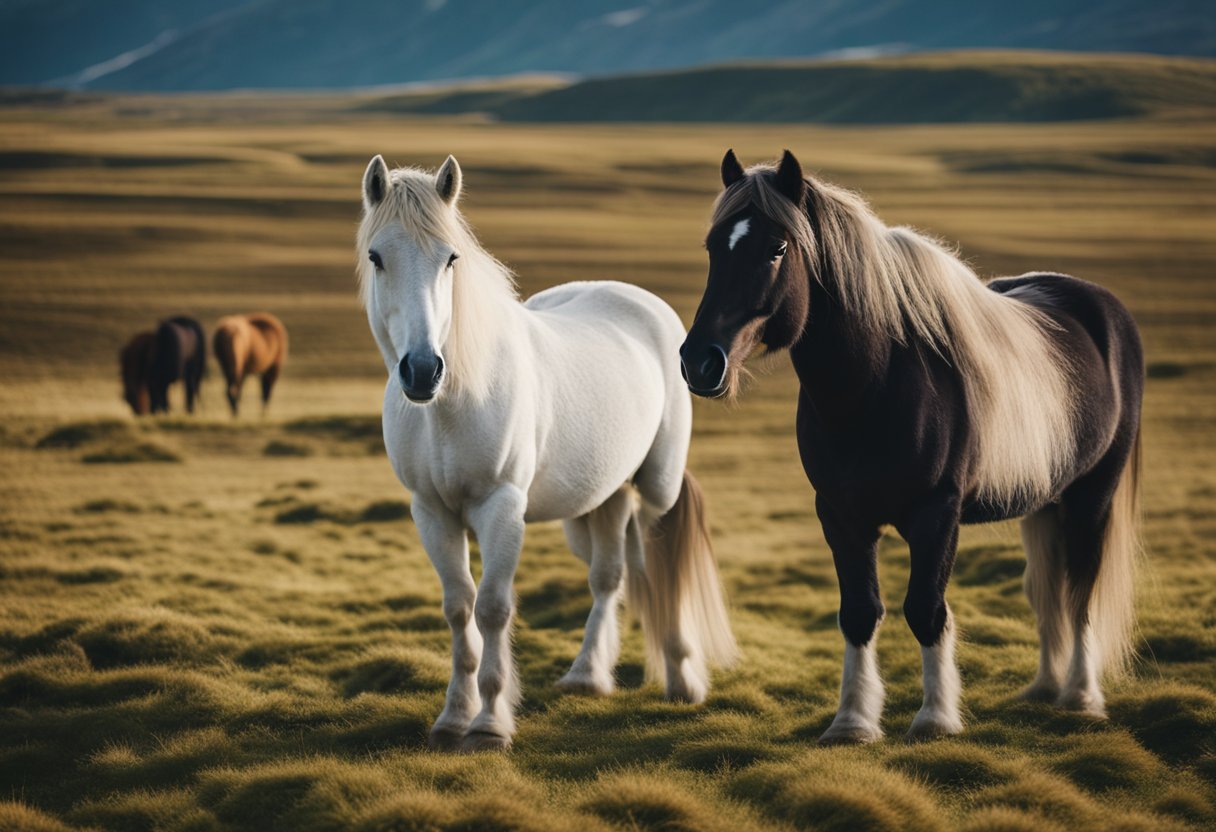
374,256
452,260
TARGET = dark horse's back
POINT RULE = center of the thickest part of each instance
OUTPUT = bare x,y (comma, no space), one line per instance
1099,341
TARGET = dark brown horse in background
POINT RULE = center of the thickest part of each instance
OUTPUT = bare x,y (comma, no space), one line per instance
152,361
248,344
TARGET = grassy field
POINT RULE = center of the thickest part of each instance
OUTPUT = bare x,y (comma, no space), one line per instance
213,624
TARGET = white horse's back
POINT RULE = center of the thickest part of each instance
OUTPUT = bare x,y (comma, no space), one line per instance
613,387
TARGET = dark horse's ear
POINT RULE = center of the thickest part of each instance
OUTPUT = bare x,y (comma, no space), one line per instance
375,182
732,171
789,181
447,181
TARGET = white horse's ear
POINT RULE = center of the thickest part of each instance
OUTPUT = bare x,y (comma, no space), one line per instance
447,181
375,182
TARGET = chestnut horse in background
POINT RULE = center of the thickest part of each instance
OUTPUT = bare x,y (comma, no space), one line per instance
151,361
248,344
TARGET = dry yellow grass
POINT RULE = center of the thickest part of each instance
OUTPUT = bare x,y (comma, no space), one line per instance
250,636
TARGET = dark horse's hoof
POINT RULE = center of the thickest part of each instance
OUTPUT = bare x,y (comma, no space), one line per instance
476,741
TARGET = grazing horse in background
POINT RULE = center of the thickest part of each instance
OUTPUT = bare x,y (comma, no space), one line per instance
134,362
180,354
929,399
152,361
569,406
249,344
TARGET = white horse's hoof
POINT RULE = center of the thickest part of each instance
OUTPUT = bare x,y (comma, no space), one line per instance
445,738
683,690
933,726
584,684
476,741
1040,691
850,733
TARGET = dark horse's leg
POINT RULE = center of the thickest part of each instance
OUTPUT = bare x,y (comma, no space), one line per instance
1089,510
855,552
932,535
158,392
1046,585
268,379
193,375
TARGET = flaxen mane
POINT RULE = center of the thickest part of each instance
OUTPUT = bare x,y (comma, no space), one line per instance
909,288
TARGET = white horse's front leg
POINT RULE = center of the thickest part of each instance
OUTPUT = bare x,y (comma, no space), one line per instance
499,524
446,544
592,671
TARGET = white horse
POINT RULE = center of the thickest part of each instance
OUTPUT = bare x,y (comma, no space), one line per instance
497,413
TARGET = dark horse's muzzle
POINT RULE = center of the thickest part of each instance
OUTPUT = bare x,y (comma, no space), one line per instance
704,369
420,376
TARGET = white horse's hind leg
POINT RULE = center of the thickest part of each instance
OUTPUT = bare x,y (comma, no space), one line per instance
499,524
678,591
592,671
446,544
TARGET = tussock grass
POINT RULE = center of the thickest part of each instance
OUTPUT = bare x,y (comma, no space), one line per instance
277,447
78,434
172,658
126,452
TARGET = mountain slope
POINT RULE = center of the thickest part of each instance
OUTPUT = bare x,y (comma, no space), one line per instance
344,43
48,40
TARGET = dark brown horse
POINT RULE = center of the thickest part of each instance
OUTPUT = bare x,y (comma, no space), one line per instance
249,344
152,361
930,399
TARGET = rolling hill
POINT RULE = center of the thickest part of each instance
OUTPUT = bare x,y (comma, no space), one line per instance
195,45
921,88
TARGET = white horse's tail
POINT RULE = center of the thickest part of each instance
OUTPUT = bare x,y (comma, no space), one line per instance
678,597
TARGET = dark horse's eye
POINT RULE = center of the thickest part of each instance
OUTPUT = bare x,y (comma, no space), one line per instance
374,256
777,252
453,259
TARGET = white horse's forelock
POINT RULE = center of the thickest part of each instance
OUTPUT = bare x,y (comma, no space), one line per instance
480,283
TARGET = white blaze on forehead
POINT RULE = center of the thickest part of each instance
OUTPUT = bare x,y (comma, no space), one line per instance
737,233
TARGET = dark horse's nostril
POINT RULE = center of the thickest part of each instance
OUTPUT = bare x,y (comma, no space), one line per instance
438,371
714,365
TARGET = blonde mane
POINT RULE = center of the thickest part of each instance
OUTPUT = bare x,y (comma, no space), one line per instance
481,285
910,288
